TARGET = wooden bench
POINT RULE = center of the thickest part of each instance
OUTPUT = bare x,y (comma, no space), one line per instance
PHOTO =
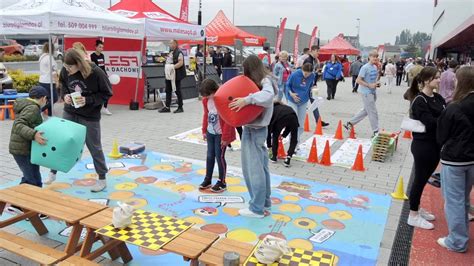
215,254
77,261
41,254
190,244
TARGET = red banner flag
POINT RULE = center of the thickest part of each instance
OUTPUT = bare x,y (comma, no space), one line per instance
297,37
183,13
280,36
313,36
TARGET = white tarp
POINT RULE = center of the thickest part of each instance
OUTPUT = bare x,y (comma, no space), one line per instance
71,17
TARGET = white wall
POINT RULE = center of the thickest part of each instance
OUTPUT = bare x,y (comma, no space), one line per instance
456,12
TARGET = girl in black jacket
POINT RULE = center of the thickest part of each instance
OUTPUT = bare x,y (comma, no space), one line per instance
426,106
456,136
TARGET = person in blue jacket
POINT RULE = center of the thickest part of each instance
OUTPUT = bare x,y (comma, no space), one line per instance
332,74
297,92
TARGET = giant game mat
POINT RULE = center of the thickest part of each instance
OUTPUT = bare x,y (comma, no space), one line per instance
335,220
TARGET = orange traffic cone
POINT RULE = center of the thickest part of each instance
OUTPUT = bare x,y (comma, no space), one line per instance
338,134
281,149
319,127
359,161
352,135
306,124
407,134
313,153
326,159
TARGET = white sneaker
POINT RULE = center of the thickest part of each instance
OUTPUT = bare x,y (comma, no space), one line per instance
418,221
106,111
50,179
248,213
99,186
426,215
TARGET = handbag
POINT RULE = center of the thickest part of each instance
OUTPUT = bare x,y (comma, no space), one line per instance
413,125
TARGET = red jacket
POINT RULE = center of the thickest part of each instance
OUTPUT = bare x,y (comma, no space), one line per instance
228,132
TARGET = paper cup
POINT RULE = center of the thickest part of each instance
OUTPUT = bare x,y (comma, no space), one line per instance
74,97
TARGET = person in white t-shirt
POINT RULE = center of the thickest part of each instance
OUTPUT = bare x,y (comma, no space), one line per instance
390,73
45,80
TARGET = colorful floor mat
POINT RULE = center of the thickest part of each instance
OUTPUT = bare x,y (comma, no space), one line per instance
346,154
305,147
340,221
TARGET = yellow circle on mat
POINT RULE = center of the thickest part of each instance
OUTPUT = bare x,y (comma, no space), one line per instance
91,176
243,235
300,243
201,172
316,209
291,198
118,172
231,211
281,217
230,180
120,195
305,223
290,207
58,186
136,202
126,186
164,184
340,215
195,220
183,188
237,189
163,167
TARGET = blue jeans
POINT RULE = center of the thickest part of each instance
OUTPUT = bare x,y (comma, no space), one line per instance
281,91
456,183
315,112
300,111
215,152
31,172
255,168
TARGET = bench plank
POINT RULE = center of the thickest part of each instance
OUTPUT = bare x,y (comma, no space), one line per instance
215,254
77,261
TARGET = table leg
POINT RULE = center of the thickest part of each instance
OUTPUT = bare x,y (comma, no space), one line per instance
88,242
124,252
73,239
113,253
2,207
38,225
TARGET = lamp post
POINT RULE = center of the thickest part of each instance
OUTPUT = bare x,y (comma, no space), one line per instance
233,12
358,32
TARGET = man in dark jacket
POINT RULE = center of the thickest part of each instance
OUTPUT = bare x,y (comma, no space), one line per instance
354,72
227,62
217,60
176,58
284,117
400,65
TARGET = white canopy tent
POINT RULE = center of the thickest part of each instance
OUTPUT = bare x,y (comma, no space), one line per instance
66,17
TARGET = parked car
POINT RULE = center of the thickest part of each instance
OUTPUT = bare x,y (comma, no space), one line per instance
6,82
11,47
33,50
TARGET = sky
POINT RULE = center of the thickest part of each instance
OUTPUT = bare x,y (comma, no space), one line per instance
380,20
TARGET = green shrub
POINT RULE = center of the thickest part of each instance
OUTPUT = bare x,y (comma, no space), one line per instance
20,58
23,82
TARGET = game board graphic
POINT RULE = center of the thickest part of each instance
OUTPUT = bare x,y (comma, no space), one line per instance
304,148
346,154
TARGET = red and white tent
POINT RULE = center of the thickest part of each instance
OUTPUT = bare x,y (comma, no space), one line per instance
159,24
220,31
339,46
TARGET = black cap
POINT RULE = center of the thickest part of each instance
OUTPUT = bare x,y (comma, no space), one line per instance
38,92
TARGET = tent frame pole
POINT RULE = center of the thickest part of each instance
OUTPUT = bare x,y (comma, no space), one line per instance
51,89
140,63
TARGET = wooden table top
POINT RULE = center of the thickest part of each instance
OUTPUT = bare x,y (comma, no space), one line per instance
215,254
54,204
189,244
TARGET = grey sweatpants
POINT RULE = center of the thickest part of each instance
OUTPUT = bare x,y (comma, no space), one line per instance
93,142
369,110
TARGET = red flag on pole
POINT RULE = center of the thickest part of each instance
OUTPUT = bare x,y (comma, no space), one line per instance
297,37
313,36
183,13
280,36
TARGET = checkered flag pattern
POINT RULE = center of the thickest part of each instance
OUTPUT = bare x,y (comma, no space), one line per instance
148,230
298,257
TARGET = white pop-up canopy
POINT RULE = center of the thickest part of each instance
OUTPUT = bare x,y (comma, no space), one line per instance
68,17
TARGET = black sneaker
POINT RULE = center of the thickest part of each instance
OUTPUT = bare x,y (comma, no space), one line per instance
324,124
207,183
15,209
287,161
179,110
434,182
436,176
273,159
375,134
329,98
43,216
348,126
164,110
219,187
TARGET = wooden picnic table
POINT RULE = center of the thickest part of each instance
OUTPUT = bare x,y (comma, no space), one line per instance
215,254
34,200
190,244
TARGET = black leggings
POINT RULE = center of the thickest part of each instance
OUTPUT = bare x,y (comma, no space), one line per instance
426,156
332,86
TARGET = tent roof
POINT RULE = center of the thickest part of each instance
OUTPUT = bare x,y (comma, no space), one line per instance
143,9
78,17
339,46
220,31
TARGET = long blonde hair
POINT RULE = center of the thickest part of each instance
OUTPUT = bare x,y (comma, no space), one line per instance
81,48
74,57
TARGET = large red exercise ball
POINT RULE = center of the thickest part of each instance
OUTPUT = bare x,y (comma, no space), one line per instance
240,86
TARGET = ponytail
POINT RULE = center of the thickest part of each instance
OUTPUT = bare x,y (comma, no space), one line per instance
414,89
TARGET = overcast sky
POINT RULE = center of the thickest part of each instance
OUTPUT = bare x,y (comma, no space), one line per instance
381,20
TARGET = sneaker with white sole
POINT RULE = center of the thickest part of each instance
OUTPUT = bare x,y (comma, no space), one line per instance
15,209
50,179
106,111
426,215
99,186
248,213
418,221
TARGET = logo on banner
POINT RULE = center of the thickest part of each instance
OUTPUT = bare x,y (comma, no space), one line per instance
158,15
202,33
126,13
124,64
212,38
251,40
